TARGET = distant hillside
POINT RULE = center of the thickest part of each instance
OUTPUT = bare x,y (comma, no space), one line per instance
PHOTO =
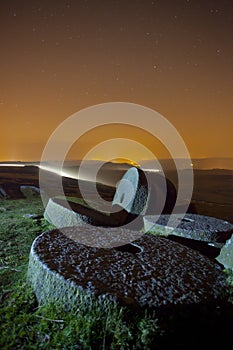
213,163
198,163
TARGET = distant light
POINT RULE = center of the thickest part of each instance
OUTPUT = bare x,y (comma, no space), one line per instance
152,170
56,171
10,164
125,161
191,164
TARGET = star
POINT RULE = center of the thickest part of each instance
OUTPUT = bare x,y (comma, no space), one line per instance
214,11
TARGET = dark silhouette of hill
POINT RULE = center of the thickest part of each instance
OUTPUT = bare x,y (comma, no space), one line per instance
212,194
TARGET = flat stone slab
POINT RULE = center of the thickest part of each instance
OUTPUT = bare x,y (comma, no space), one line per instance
150,272
193,226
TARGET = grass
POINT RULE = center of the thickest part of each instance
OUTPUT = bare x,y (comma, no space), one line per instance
229,275
89,324
73,199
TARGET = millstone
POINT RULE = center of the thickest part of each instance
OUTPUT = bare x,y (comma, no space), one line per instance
194,226
131,196
61,216
131,192
150,272
144,194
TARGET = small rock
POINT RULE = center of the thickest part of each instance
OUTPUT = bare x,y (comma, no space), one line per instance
31,216
30,191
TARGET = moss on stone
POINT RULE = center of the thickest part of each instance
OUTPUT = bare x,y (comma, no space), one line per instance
226,255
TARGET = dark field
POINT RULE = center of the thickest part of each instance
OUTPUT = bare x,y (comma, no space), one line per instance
212,194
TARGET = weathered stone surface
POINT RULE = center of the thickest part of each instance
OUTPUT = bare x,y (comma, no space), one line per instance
60,216
151,272
145,194
211,250
194,226
161,195
131,193
226,255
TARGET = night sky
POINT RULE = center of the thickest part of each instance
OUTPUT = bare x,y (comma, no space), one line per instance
58,57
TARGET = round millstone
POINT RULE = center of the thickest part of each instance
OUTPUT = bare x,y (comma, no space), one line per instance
131,192
150,272
193,226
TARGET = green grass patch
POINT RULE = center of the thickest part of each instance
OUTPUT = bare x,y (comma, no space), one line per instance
90,324
229,274
73,199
